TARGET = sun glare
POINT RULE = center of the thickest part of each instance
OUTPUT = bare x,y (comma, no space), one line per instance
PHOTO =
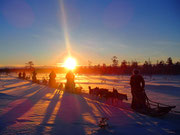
70,63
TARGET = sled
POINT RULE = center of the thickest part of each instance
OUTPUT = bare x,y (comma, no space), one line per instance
155,109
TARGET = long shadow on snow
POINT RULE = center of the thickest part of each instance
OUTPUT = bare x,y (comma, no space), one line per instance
32,88
11,98
19,86
149,124
12,81
10,117
123,122
69,117
6,96
49,111
167,124
120,104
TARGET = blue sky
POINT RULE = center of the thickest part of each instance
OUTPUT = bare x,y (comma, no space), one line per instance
97,30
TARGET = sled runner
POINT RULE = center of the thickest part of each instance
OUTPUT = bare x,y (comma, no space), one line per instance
155,109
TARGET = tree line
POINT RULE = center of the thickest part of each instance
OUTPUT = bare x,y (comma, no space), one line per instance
125,67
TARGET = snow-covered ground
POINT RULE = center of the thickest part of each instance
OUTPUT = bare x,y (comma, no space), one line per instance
27,108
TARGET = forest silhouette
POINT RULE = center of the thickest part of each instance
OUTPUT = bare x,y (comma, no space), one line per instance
124,68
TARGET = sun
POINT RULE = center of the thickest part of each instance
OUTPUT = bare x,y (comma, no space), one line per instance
70,63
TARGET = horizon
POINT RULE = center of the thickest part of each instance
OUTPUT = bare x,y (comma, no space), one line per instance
61,65
47,32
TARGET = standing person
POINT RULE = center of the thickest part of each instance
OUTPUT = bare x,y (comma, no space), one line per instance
24,75
44,81
52,79
19,75
60,87
137,90
70,85
34,79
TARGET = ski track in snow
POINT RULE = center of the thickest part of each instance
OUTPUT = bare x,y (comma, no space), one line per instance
28,108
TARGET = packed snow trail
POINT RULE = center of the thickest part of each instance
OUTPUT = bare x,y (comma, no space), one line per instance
28,108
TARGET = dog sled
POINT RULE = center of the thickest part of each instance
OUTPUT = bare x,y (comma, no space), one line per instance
155,109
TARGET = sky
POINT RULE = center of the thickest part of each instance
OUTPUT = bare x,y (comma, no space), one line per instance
47,31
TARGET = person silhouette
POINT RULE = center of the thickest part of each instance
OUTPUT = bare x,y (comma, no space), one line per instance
34,79
52,79
19,75
137,90
70,85
44,81
60,87
24,75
